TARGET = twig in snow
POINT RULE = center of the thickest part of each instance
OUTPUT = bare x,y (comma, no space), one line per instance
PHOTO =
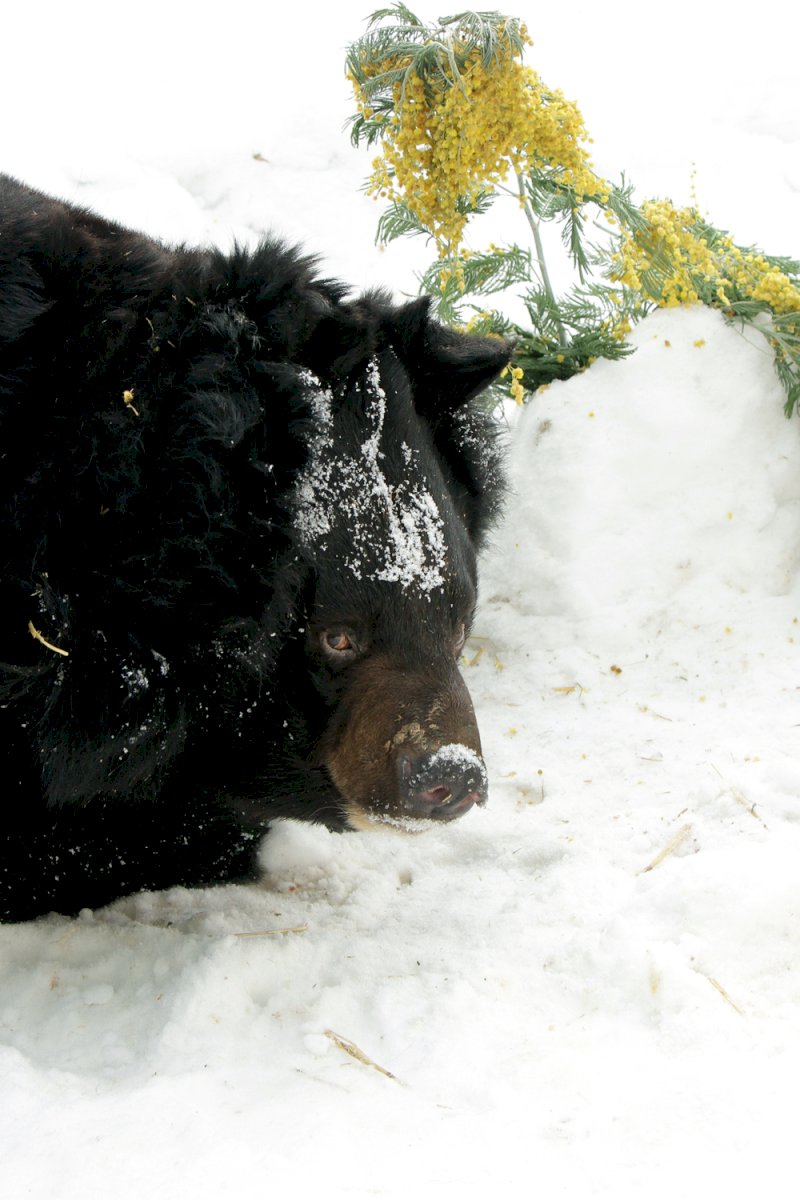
715,984
670,849
357,1053
660,716
572,687
741,799
272,932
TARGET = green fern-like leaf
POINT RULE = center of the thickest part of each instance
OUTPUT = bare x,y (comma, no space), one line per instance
398,220
481,274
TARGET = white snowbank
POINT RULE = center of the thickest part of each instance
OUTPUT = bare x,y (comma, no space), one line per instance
591,987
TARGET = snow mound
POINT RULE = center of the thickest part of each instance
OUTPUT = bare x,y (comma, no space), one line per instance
650,482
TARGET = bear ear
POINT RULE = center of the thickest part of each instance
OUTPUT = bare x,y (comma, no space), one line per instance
446,368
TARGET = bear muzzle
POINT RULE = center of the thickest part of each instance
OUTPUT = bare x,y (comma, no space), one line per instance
404,748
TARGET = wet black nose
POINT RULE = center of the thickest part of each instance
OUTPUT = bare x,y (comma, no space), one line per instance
444,784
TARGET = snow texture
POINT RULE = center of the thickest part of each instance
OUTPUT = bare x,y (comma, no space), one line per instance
591,987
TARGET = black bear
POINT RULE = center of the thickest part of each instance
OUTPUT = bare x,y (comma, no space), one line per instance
239,521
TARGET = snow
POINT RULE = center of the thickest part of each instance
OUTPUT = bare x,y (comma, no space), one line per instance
455,756
589,988
395,532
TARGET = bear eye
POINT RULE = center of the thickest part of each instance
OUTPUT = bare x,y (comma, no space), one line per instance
338,643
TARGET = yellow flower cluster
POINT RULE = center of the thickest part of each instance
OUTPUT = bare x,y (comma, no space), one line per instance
760,280
668,250
515,387
681,267
458,132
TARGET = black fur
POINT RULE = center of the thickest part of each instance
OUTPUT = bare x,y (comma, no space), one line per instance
157,407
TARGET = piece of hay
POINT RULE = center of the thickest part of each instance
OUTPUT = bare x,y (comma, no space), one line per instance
357,1053
716,984
272,932
34,632
570,689
683,832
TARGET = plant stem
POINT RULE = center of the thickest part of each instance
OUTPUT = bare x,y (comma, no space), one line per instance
548,287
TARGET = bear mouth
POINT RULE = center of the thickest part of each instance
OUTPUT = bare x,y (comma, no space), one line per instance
447,810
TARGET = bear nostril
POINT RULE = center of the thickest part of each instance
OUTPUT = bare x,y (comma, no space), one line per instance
435,796
441,803
442,785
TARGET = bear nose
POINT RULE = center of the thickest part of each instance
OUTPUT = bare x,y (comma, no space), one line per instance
443,784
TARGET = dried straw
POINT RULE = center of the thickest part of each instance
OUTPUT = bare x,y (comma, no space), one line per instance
357,1053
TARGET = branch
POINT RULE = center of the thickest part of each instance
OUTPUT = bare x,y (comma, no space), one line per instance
534,224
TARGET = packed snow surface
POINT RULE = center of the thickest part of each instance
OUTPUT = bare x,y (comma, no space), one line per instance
591,987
